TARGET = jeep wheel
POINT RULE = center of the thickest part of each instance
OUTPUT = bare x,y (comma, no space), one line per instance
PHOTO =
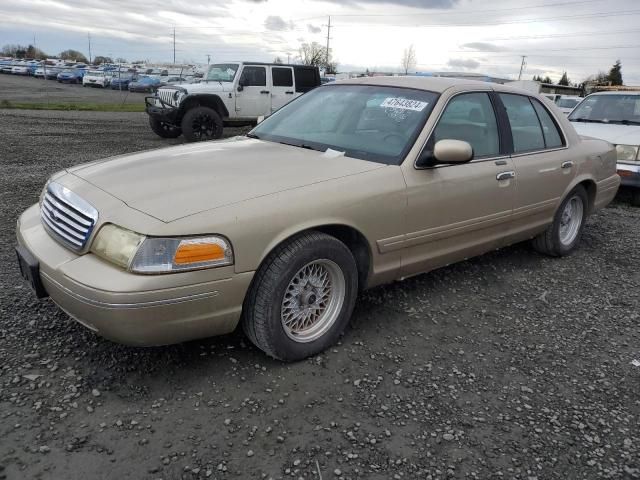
200,124
163,129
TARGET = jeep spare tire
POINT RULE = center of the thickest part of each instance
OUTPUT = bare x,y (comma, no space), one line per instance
201,124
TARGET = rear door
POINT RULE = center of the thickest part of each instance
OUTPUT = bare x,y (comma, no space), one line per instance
542,162
253,98
282,87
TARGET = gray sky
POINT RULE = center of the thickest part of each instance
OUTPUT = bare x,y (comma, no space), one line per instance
581,37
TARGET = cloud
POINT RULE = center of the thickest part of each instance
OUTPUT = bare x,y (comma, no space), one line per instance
424,4
277,23
313,28
463,63
483,47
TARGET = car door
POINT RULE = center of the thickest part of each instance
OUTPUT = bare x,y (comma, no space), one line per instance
252,95
542,163
282,87
458,211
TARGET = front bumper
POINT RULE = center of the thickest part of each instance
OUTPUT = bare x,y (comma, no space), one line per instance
139,310
629,174
164,112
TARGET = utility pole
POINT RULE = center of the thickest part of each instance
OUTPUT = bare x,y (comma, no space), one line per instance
328,38
174,45
89,36
208,59
522,65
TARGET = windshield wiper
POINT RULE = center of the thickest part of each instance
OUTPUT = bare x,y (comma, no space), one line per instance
301,145
626,122
585,120
252,135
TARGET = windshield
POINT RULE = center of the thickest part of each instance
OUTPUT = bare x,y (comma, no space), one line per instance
363,121
567,102
618,108
222,72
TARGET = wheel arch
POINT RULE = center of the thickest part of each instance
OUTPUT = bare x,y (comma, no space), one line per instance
352,237
203,100
590,185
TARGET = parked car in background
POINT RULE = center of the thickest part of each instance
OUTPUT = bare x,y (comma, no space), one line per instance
96,78
230,93
173,80
122,81
614,117
51,73
39,72
20,69
355,184
145,84
566,103
70,75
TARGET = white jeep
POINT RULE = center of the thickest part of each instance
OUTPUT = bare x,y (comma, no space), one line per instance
234,93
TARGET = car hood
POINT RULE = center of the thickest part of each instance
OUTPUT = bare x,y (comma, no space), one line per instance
611,132
176,182
206,87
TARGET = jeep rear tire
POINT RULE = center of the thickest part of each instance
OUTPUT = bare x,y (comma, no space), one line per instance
200,124
163,129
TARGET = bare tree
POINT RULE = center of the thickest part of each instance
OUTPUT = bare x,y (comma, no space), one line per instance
408,59
313,54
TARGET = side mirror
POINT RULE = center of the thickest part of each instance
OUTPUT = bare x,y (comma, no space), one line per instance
240,85
446,152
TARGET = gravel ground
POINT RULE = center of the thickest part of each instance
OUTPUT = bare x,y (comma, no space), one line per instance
17,88
511,365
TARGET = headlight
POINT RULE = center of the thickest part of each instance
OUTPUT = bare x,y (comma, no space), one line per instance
628,153
140,254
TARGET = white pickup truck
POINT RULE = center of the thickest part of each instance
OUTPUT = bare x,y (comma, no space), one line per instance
234,93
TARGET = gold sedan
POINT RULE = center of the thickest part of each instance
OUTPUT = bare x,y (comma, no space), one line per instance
352,185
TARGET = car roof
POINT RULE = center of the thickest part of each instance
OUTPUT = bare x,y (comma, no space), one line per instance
618,92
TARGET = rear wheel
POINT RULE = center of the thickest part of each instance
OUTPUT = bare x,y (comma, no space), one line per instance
563,235
302,297
201,124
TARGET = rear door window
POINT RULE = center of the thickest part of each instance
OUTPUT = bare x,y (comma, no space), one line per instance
525,126
551,132
282,77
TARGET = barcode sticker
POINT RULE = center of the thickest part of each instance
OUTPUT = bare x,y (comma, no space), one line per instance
404,103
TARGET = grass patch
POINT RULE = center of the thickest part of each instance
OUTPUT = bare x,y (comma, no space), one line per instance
84,107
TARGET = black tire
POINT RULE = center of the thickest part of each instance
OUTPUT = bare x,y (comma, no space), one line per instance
635,197
201,124
163,129
261,319
549,242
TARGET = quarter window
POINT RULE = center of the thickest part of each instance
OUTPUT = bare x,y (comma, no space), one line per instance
525,126
254,77
282,77
470,117
552,136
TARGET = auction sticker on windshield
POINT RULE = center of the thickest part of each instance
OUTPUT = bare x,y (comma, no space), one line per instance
404,103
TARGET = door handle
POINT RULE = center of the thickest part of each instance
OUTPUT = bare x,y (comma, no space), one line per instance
264,91
506,175
289,93
568,164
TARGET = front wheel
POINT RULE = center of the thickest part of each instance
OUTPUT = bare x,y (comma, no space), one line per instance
201,124
163,129
302,297
563,235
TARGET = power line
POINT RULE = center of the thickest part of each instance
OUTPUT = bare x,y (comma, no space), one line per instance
613,47
562,35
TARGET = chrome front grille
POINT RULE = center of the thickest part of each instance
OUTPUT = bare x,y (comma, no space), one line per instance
67,217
